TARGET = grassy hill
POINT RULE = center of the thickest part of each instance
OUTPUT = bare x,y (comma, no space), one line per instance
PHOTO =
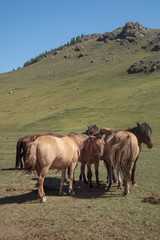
64,92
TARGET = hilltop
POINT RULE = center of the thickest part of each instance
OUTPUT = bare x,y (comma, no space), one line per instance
89,82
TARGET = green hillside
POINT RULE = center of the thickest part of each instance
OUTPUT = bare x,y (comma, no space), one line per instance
63,92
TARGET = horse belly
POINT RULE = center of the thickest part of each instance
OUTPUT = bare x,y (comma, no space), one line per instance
60,163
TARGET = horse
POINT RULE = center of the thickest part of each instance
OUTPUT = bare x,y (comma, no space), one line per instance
22,146
92,152
50,152
121,151
143,132
92,129
109,132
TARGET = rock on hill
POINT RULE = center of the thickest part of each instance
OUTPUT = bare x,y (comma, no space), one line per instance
129,33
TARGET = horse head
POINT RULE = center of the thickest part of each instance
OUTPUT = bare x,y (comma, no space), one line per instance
99,145
145,134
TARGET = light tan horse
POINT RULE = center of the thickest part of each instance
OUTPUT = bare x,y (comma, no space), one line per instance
56,153
121,151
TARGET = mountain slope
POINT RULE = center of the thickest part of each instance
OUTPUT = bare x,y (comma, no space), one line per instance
67,90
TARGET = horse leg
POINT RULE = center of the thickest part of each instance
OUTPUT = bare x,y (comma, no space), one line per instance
69,175
126,187
113,175
82,174
62,181
133,174
72,167
41,175
96,172
108,175
89,176
119,181
109,169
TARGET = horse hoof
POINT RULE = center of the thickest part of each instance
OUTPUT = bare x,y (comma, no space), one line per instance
61,194
135,185
43,200
85,182
108,189
125,194
72,193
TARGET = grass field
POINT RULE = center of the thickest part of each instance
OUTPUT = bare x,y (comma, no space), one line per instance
61,95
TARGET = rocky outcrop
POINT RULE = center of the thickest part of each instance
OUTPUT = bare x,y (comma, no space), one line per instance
129,33
141,66
152,42
156,48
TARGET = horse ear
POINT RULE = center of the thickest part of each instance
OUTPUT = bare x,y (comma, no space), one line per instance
138,124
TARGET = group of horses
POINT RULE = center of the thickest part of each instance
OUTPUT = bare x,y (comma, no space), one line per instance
119,150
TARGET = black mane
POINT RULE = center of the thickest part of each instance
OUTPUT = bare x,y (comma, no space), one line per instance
141,129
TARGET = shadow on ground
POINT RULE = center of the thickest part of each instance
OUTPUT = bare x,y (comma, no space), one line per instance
51,188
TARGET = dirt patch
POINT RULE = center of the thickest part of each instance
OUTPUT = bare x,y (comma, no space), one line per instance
153,199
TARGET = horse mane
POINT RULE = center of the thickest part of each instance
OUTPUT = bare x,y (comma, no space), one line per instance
140,129
78,138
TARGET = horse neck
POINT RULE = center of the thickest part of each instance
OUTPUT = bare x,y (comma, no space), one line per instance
136,133
89,146
79,141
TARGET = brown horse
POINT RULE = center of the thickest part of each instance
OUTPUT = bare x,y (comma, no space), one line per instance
93,151
22,146
92,129
121,151
143,132
56,153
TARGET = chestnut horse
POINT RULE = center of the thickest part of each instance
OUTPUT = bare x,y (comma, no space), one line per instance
121,151
22,146
56,153
92,153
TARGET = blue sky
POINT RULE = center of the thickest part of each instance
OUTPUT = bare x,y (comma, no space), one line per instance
28,28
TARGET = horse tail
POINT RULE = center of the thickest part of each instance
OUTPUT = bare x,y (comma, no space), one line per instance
31,158
122,156
18,152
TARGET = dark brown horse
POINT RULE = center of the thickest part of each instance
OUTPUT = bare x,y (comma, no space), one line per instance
22,146
143,132
92,129
92,153
56,153
121,151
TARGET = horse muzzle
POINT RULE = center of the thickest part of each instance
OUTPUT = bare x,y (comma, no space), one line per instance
150,145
